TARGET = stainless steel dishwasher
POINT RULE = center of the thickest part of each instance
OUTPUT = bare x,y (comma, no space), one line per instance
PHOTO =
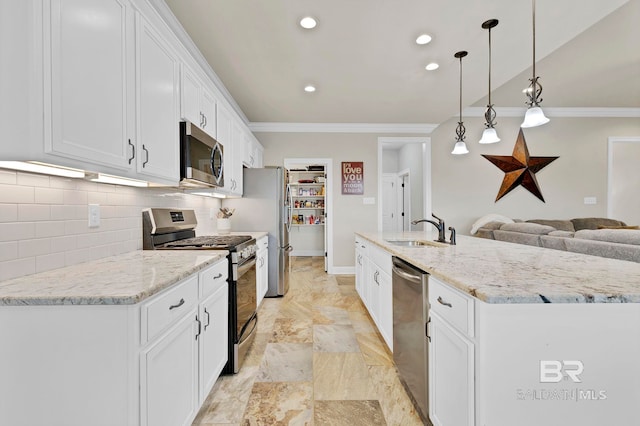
410,348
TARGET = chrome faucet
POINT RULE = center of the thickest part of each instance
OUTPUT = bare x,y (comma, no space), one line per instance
440,226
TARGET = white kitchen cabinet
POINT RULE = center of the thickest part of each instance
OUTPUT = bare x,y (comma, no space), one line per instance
91,113
262,273
214,338
235,167
373,284
169,379
252,152
226,136
151,363
157,100
113,91
197,103
451,356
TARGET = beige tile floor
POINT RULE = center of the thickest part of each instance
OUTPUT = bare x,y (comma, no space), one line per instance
317,360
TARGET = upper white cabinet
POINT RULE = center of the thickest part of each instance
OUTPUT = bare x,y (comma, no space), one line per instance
198,105
113,84
157,100
91,51
229,134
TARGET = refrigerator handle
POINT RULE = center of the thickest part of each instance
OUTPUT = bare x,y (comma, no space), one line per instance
290,215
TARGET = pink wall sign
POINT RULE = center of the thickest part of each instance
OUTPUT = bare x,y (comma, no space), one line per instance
353,178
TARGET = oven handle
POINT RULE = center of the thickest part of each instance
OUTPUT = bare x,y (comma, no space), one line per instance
248,264
254,322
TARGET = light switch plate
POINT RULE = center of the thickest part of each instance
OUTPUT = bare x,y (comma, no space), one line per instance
590,200
368,200
94,215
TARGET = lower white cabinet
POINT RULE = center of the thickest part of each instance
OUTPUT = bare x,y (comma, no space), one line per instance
151,363
168,376
213,339
451,356
262,273
373,284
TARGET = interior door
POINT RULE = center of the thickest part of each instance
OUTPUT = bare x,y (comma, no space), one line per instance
389,203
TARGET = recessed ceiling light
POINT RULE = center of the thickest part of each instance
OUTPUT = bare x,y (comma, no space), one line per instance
309,88
308,22
432,66
423,39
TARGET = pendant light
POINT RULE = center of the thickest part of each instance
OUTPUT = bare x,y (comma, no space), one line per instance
489,135
460,147
534,115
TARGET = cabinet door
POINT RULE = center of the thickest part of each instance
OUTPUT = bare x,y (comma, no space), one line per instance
262,274
169,377
374,293
451,375
190,97
92,109
158,118
385,317
208,108
214,338
237,140
223,136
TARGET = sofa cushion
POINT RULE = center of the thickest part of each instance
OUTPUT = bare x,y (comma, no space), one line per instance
527,228
594,222
618,251
622,236
551,242
563,234
517,237
560,225
619,227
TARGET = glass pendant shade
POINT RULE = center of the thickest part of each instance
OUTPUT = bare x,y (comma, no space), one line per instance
534,117
460,148
489,136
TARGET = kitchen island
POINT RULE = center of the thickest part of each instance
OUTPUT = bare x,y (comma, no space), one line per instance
525,335
134,339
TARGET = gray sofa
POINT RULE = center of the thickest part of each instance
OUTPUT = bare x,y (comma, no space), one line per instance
594,236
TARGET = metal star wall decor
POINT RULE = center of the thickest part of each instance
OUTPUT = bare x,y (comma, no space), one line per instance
520,169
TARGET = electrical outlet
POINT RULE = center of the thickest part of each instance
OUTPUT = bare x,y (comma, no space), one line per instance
94,215
590,200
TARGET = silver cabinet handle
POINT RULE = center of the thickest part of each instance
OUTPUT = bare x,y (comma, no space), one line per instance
205,121
201,119
218,276
375,277
147,155
208,319
199,327
133,151
426,329
177,305
442,302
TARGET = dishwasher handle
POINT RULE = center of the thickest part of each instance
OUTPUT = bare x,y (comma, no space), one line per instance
406,275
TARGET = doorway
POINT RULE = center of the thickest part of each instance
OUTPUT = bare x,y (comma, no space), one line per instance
623,179
409,160
311,234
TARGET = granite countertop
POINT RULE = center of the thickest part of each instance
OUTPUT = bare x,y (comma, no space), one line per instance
117,280
500,272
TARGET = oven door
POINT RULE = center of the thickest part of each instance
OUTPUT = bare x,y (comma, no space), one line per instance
246,296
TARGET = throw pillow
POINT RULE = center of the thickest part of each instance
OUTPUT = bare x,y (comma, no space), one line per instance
619,227
491,217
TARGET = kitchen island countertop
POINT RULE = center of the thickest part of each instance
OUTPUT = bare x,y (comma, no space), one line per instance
500,272
117,280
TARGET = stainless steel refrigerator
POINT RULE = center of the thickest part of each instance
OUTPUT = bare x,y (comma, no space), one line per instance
266,206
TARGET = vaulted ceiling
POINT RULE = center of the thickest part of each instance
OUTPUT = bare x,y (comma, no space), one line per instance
367,68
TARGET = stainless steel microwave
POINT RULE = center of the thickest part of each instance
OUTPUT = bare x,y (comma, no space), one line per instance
201,158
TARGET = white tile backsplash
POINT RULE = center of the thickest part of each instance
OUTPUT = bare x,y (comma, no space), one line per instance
44,225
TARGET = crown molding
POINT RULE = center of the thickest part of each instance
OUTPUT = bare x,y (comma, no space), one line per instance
400,128
575,112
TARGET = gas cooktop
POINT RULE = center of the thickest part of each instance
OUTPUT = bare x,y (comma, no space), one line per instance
209,242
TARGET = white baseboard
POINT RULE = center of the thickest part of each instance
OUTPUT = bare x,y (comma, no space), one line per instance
342,270
306,253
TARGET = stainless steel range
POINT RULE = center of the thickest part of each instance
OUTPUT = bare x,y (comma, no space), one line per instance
174,229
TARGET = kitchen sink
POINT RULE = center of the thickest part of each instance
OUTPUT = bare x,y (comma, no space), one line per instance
411,243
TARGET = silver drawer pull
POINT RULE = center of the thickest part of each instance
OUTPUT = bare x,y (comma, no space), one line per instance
442,302
180,303
218,276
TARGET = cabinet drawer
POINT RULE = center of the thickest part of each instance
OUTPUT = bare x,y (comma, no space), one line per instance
212,278
362,246
381,258
263,243
168,307
453,306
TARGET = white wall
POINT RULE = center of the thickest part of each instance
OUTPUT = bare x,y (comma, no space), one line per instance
465,187
44,225
389,161
349,213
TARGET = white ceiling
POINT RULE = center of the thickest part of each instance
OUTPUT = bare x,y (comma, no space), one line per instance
363,58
